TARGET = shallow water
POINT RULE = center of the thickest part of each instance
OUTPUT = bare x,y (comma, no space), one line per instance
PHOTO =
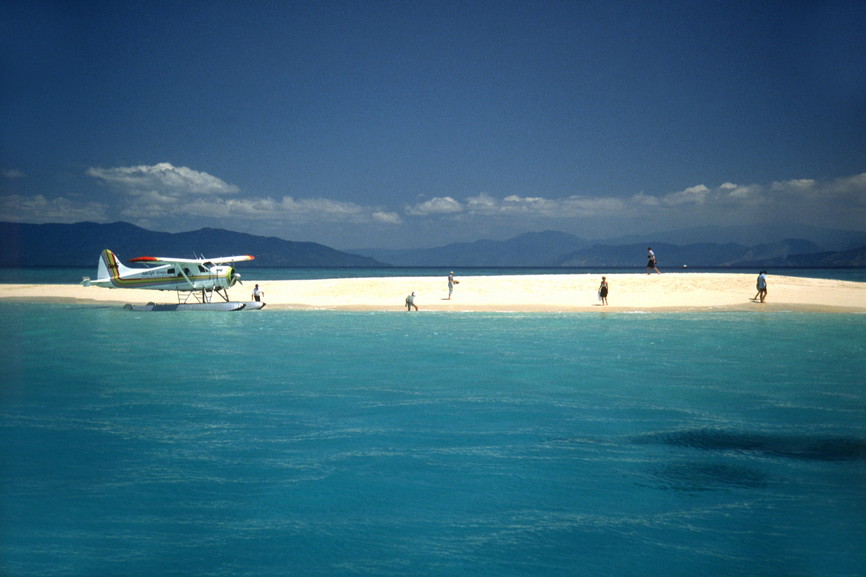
326,443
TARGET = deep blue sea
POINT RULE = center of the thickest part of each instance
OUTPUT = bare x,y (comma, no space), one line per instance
346,443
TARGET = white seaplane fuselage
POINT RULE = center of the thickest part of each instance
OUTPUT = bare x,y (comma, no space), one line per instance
191,276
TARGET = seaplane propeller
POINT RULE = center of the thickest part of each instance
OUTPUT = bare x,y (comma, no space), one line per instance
236,277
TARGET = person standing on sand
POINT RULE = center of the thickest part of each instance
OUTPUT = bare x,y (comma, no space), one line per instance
602,291
258,294
451,283
762,285
651,261
410,302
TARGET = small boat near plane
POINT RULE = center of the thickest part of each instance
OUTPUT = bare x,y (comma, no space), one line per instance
196,281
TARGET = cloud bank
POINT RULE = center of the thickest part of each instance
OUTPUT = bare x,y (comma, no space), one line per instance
39,209
164,179
167,197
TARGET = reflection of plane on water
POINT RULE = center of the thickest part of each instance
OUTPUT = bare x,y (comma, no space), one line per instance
197,278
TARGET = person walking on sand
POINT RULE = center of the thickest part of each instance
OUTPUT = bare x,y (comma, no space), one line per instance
651,261
762,285
258,294
410,302
602,291
451,283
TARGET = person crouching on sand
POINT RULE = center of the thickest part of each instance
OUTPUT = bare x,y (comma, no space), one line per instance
410,302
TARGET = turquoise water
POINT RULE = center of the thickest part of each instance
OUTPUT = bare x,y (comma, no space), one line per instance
333,443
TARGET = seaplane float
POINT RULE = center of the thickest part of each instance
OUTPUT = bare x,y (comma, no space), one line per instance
196,281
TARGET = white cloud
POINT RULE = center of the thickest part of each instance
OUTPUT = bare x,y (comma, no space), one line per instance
850,189
163,177
13,174
527,204
645,199
262,209
701,195
482,203
735,192
575,206
166,191
322,207
727,203
387,217
798,186
38,209
438,205
693,195
537,206
163,196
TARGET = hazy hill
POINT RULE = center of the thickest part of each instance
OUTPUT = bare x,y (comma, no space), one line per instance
529,249
699,254
751,235
79,245
552,249
848,258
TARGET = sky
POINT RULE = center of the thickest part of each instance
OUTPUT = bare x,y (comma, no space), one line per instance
406,124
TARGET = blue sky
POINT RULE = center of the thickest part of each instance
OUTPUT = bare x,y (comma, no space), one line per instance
414,124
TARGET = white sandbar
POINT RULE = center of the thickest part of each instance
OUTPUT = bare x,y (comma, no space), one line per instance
514,293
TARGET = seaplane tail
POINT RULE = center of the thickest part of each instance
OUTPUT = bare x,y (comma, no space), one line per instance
109,270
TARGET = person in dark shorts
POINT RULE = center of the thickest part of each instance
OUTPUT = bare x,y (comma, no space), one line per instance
651,261
602,291
762,286
410,302
258,294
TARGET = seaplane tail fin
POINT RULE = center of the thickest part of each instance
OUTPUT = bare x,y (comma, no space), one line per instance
110,267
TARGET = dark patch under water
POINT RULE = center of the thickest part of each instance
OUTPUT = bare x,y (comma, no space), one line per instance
707,476
790,446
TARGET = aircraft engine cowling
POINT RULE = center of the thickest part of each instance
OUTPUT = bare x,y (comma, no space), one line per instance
234,277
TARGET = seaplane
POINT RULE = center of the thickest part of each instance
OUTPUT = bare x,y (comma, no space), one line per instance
195,280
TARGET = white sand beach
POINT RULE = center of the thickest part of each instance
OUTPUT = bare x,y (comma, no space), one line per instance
516,293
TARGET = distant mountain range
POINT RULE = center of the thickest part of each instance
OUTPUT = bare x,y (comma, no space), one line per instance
751,235
79,245
530,249
554,249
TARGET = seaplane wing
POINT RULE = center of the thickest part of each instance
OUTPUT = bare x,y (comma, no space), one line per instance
167,260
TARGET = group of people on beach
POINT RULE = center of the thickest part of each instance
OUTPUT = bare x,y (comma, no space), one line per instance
410,299
651,265
603,288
